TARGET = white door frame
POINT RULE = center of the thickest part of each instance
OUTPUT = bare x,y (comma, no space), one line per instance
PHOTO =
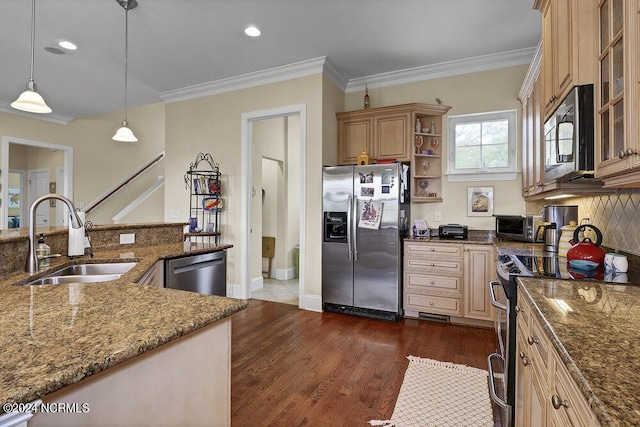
246,138
4,166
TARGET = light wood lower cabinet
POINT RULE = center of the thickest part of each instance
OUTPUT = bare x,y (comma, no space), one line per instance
546,395
479,270
432,278
448,279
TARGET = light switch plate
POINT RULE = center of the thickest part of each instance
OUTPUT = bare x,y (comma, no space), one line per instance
437,216
127,238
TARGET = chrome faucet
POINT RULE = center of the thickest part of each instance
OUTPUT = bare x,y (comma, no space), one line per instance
32,263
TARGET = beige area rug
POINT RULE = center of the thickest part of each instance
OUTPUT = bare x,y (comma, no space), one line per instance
441,394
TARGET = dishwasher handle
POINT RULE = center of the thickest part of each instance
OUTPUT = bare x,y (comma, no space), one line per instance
197,266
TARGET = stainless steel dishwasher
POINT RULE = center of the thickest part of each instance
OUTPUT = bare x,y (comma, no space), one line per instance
204,274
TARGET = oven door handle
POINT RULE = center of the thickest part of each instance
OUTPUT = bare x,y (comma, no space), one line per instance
492,386
494,300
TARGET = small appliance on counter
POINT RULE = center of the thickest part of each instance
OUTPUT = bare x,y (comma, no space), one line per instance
453,231
517,227
555,217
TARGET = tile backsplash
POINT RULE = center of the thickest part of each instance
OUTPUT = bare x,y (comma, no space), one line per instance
616,215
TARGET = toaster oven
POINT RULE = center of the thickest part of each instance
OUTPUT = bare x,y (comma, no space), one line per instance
517,227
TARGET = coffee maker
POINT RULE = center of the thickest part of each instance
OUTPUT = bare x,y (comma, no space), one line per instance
554,217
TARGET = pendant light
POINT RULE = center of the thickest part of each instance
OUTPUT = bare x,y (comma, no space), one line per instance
30,100
125,134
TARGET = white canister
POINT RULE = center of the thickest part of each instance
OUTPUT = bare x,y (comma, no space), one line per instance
566,234
620,263
608,261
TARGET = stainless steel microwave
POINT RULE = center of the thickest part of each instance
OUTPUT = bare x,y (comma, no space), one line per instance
569,137
517,227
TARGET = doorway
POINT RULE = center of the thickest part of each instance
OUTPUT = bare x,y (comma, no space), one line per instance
275,212
39,154
249,192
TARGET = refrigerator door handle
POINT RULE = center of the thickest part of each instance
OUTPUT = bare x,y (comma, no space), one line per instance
349,237
354,213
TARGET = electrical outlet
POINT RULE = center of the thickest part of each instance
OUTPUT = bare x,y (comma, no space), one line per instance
437,216
126,239
587,218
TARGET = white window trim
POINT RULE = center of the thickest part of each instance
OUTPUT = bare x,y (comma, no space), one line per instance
510,173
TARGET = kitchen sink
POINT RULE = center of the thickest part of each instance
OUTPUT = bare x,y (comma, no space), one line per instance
95,269
83,273
61,280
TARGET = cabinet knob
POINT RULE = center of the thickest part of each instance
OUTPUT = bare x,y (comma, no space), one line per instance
518,309
558,403
432,249
627,153
432,282
531,340
431,304
525,359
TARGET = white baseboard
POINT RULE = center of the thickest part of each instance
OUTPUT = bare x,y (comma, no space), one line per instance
257,283
285,273
312,303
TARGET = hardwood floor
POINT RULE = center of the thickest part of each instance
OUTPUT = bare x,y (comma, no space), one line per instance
293,367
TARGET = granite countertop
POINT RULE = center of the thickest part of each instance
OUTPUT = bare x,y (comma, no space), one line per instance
53,336
476,237
598,340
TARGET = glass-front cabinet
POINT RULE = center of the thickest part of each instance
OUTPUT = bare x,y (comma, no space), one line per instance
617,94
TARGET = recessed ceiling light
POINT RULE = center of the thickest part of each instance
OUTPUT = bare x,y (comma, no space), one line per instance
252,31
66,44
55,50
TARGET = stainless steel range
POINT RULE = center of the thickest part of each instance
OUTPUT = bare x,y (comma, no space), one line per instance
504,296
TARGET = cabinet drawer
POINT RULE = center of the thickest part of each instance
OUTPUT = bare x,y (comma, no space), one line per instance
433,304
565,389
539,345
425,282
434,265
422,250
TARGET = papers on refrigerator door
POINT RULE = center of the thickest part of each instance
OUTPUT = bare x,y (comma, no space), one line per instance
370,215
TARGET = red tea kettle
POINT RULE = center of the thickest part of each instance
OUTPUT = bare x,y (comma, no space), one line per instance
586,249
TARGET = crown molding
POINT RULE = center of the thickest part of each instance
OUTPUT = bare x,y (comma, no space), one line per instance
332,73
244,81
532,74
51,117
444,69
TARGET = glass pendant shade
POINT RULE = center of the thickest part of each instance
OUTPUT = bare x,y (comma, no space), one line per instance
31,101
125,134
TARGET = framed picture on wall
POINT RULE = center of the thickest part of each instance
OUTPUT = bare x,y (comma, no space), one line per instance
479,201
14,197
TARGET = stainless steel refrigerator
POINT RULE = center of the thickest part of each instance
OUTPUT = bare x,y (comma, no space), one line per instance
365,217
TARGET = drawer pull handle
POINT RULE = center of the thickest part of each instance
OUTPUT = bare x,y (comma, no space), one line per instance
518,309
531,340
557,403
525,359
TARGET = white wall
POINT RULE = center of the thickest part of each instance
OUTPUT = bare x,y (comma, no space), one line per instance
212,124
100,162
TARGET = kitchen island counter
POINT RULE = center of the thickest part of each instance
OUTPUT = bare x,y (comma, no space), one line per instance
53,336
597,339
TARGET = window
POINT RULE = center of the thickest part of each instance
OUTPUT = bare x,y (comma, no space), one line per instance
483,144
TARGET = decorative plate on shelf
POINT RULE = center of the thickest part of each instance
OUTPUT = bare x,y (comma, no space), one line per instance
211,203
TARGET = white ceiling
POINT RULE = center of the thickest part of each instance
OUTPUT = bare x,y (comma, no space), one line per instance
175,44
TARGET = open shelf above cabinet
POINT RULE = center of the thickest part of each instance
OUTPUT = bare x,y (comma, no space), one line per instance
426,160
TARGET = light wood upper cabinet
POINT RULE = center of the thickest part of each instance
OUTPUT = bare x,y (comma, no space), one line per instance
532,149
391,133
385,132
568,27
355,134
618,93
